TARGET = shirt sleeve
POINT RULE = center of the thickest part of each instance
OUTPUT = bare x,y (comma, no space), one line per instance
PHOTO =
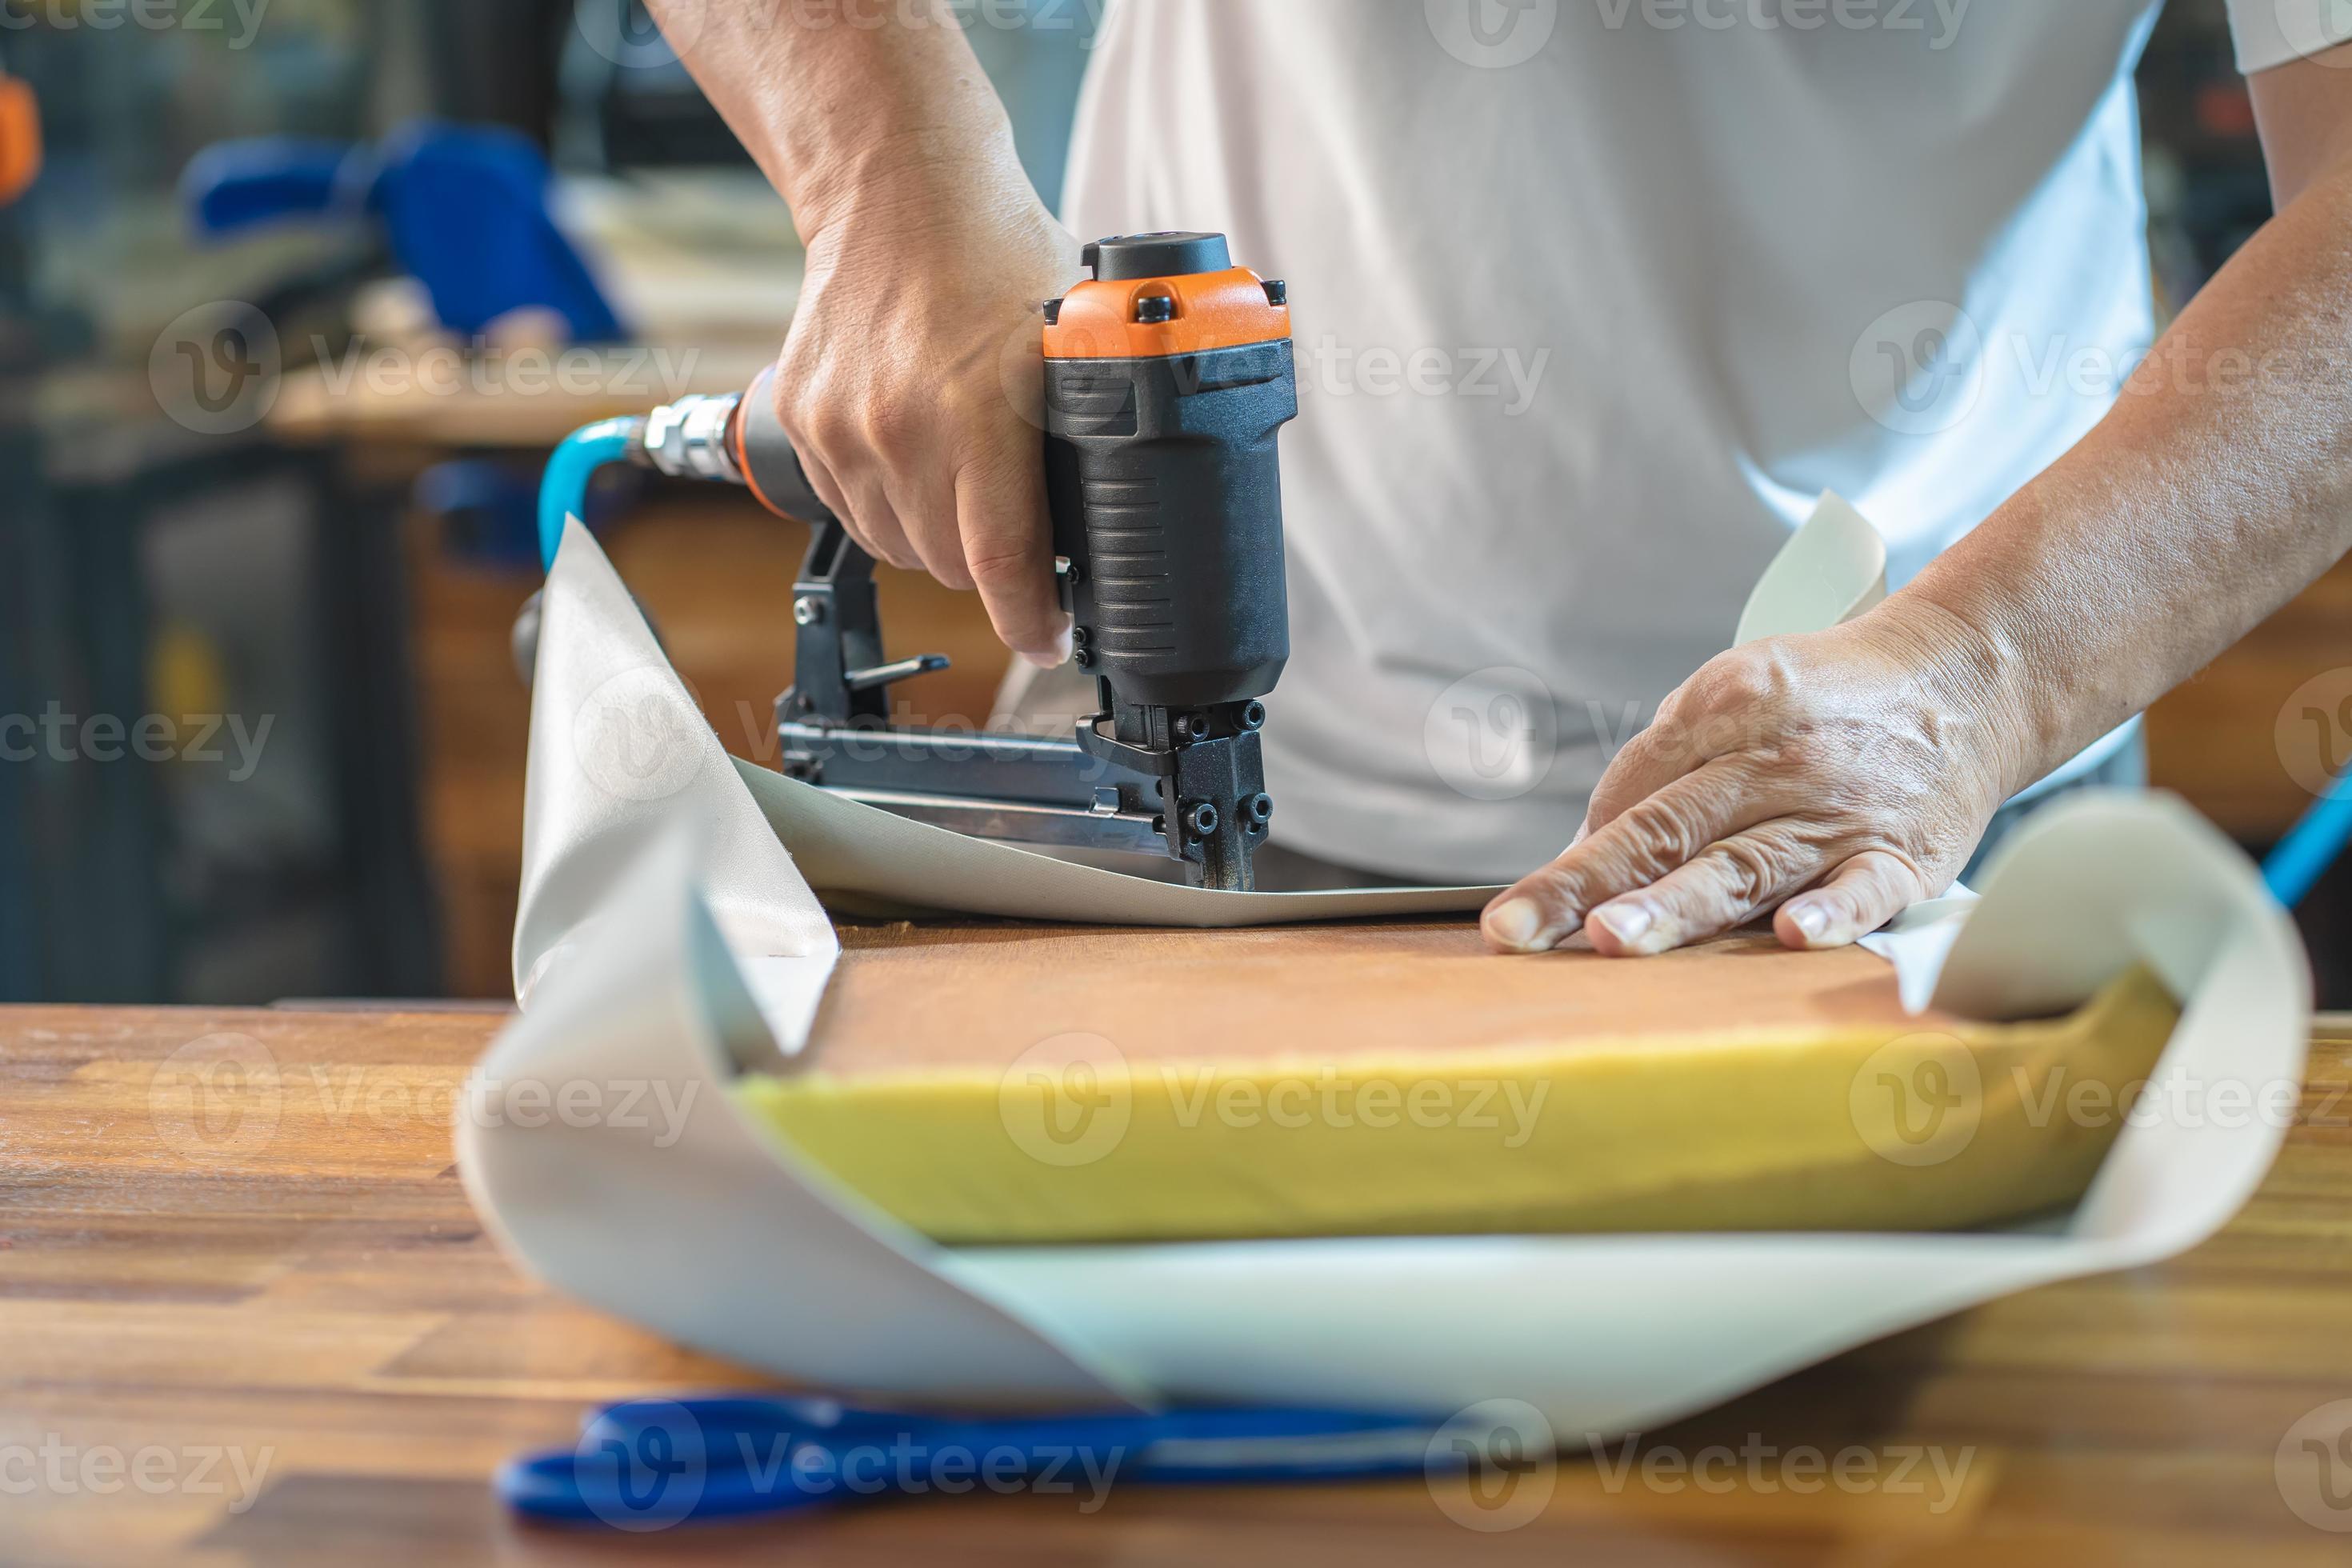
2273,32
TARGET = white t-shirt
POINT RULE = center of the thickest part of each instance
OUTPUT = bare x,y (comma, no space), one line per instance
1591,300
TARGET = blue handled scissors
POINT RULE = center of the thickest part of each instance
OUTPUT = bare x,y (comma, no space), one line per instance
646,1464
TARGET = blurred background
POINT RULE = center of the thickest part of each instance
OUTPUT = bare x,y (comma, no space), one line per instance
266,482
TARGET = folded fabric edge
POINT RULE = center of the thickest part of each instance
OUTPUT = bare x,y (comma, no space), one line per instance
620,755
845,847
2102,879
1049,1296
1833,569
616,1209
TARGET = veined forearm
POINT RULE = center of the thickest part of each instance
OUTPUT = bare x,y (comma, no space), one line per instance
901,382
2218,487
835,99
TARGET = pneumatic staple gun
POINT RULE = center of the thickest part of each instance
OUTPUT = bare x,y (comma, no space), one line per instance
1167,376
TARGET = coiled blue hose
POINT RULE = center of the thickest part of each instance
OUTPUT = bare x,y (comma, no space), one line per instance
563,492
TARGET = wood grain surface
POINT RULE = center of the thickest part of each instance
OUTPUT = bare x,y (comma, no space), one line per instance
246,1316
2244,738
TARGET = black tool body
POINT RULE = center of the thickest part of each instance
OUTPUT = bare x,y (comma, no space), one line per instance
1168,377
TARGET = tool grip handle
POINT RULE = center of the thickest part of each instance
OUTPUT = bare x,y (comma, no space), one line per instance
771,466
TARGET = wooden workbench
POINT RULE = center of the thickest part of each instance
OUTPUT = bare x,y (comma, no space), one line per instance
275,1262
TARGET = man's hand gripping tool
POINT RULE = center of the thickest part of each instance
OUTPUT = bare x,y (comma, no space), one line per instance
1167,376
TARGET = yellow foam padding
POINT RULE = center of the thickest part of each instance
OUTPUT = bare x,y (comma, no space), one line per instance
1925,1124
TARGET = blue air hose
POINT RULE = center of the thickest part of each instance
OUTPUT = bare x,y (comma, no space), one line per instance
2296,865
563,492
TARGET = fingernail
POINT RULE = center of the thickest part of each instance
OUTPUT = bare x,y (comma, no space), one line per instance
1812,919
1060,654
1514,925
1628,923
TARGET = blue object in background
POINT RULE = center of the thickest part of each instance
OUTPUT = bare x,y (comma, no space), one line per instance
234,186
464,210
489,508
651,1463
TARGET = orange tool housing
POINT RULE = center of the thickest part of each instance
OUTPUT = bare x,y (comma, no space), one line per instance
1212,311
